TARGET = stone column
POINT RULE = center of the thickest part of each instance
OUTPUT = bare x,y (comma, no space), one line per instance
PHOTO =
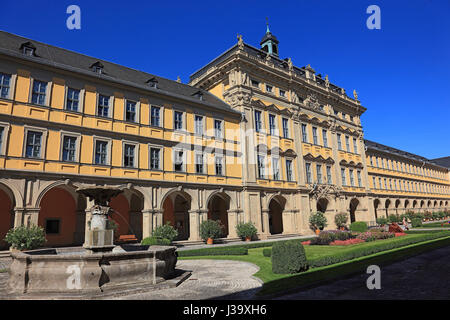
265,230
31,216
232,222
18,217
194,225
147,222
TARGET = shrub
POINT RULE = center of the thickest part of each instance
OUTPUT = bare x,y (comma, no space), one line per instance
372,236
154,241
267,252
416,222
245,230
394,218
436,215
326,237
220,251
210,229
358,226
317,220
165,231
288,257
26,238
382,221
341,219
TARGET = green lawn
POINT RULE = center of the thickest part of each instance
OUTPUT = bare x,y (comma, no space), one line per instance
434,225
274,283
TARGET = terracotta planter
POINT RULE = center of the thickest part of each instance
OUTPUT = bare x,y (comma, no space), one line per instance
317,231
210,241
248,238
342,228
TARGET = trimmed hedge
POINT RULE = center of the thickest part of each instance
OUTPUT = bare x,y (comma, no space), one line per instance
358,226
416,222
376,247
288,257
267,252
220,251
154,241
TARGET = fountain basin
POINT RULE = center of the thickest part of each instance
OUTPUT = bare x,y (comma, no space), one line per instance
51,272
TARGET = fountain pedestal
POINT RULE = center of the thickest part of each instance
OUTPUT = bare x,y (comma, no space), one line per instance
99,237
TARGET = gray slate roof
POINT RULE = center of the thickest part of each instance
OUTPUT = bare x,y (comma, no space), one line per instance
10,45
444,162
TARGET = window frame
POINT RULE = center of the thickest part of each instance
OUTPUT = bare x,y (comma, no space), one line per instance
12,85
80,99
108,150
47,93
4,137
110,106
184,157
43,145
135,154
160,160
137,105
77,137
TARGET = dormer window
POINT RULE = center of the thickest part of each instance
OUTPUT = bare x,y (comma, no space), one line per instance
97,67
198,95
28,49
153,83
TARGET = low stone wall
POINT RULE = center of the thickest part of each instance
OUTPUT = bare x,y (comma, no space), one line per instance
77,273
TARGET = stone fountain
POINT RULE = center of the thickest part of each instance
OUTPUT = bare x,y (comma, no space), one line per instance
96,270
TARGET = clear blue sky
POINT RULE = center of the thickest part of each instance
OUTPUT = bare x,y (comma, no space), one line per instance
401,72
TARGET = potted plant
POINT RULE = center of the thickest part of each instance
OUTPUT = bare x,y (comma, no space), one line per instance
382,221
25,238
246,230
210,230
165,231
340,220
317,221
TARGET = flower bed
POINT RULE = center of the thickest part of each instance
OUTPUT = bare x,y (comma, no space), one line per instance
346,242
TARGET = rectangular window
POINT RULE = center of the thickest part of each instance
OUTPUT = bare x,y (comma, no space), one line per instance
329,179
218,132
314,131
339,141
355,146
308,172
272,126
198,120
275,168
179,161
33,147
352,181
269,89
344,180
219,165
178,120
378,164
72,99
101,152
52,226
2,129
103,106
304,133
199,166
289,174
358,173
255,83
282,93
347,144
385,183
379,183
374,182
285,128
371,160
128,160
319,173
155,154
130,112
69,146
258,122
5,85
325,138
39,92
155,116
261,166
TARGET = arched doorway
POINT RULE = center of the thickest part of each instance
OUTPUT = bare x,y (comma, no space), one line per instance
354,203
376,205
176,208
121,215
406,205
322,205
58,216
218,207
397,205
6,217
135,214
276,207
387,205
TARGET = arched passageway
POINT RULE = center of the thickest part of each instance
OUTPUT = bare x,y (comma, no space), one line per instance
58,216
176,208
6,217
354,203
276,207
121,215
376,205
387,205
218,207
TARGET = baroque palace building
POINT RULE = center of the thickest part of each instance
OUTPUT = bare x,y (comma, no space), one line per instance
251,138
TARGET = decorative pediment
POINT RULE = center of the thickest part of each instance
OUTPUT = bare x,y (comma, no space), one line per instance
310,157
325,191
262,148
352,164
290,153
312,101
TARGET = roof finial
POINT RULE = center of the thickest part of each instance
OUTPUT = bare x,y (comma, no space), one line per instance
179,79
267,24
